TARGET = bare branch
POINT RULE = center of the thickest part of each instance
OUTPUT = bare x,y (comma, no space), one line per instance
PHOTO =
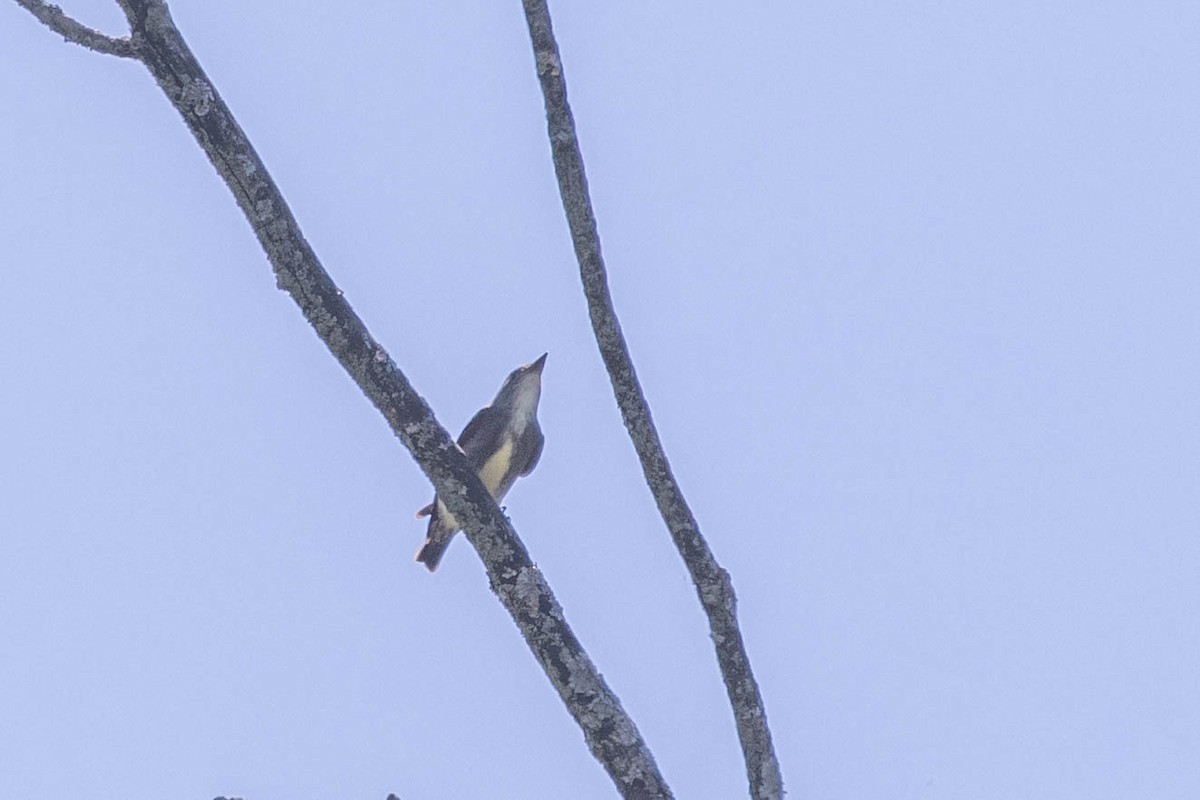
72,30
712,582
611,735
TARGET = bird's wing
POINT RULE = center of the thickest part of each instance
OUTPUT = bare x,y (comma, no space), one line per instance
478,440
481,437
530,450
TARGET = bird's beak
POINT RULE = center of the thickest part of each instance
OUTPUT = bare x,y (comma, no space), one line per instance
537,365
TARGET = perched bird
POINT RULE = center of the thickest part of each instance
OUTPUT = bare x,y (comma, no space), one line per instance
502,442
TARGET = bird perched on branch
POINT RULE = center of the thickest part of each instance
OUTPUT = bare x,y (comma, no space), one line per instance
502,442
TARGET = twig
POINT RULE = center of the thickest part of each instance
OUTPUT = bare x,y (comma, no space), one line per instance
72,30
712,582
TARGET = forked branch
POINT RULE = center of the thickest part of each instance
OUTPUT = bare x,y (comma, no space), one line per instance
72,30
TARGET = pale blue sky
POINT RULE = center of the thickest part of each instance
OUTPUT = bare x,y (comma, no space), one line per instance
912,290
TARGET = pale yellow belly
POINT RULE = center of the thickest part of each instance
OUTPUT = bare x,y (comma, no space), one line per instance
492,474
495,467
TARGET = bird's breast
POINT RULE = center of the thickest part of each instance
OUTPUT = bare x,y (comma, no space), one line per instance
492,474
496,467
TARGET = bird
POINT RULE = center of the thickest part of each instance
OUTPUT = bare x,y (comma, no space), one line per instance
502,442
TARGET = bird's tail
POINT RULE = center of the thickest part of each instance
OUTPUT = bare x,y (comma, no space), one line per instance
431,552
436,540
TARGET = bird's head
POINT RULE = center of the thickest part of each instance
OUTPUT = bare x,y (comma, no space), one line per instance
522,389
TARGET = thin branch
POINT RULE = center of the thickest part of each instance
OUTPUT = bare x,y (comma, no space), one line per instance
610,733
712,582
72,30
